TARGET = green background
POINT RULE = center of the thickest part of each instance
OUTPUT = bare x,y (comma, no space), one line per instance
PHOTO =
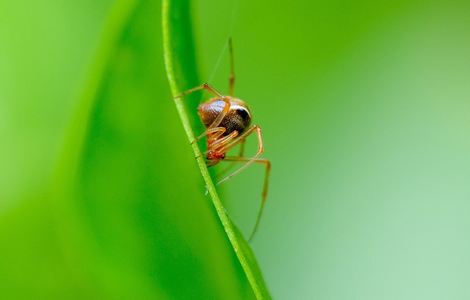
365,111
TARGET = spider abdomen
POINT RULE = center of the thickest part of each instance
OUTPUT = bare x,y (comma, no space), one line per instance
237,118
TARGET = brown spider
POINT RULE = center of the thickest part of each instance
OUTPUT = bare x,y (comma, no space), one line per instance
227,120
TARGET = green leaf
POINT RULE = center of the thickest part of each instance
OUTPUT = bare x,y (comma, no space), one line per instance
125,215
180,66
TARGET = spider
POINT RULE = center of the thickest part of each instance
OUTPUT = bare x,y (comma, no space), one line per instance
227,120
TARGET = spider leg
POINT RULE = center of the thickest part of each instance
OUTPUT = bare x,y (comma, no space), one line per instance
248,161
231,79
241,151
242,138
217,144
229,142
204,86
222,114
264,194
215,133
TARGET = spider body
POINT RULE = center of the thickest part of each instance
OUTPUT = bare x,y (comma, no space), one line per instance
238,118
235,122
227,120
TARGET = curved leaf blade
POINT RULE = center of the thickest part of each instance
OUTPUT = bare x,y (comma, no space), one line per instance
178,47
126,215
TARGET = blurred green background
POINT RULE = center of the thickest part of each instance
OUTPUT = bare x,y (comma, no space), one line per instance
365,111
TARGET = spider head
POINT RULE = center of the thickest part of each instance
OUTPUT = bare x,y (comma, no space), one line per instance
215,155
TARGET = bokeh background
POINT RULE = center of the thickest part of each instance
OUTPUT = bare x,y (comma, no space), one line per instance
365,111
